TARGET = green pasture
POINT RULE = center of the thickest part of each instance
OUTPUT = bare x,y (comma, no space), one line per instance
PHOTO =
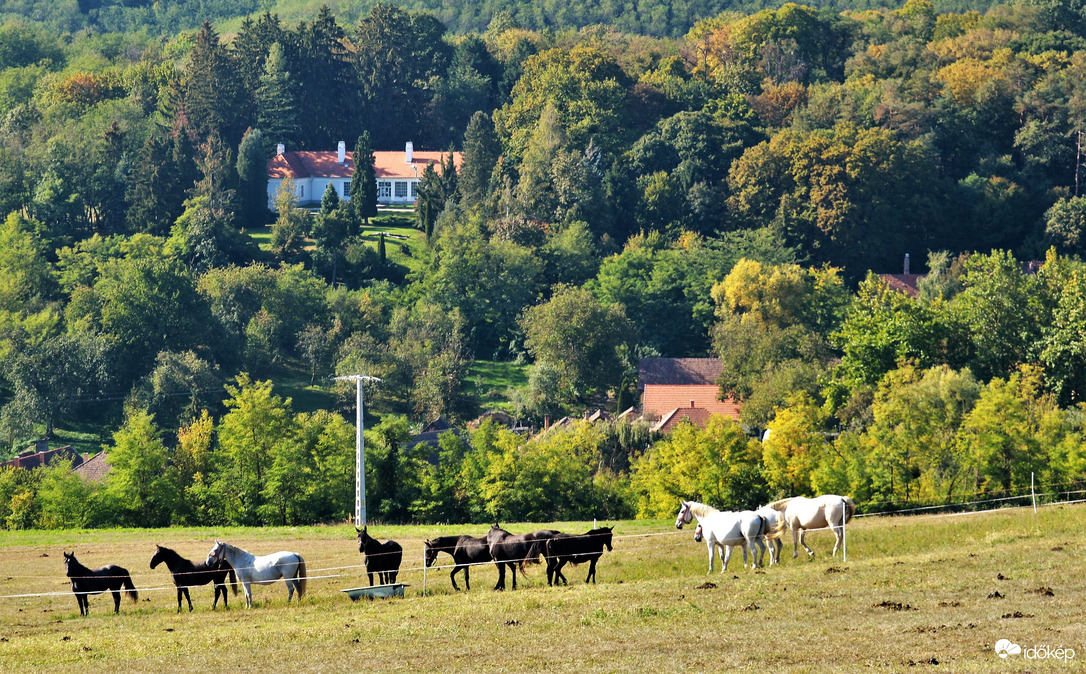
917,594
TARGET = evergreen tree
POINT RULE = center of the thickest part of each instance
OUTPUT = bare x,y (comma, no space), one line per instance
320,59
431,200
481,152
364,182
329,200
381,253
277,102
449,181
211,92
252,168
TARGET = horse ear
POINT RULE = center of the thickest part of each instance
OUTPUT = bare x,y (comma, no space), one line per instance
358,530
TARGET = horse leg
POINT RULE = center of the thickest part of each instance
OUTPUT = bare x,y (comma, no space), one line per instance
116,600
180,592
501,576
467,579
248,587
795,542
188,598
726,556
452,577
513,566
803,542
591,571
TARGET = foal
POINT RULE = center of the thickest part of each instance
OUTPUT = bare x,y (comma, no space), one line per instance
86,582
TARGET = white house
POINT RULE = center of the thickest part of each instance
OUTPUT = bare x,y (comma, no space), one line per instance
398,173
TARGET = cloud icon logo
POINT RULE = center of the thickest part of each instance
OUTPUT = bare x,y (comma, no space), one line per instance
1004,647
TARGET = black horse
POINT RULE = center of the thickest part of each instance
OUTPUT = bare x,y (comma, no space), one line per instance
381,558
186,574
575,549
86,582
509,550
465,551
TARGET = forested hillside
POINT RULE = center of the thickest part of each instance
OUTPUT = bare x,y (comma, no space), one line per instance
726,192
662,18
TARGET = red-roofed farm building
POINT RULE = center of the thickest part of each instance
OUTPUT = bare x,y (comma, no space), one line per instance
398,173
677,388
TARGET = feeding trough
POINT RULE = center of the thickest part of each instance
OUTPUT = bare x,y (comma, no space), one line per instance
376,591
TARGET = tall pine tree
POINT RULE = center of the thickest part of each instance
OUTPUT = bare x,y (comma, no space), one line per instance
212,93
364,182
252,168
277,102
481,152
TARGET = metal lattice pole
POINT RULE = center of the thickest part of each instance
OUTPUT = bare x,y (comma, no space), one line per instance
360,449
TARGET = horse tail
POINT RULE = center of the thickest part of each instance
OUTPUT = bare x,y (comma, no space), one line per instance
301,577
130,588
233,579
780,525
532,556
850,508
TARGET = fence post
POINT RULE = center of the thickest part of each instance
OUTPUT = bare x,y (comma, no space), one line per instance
844,538
1033,492
424,571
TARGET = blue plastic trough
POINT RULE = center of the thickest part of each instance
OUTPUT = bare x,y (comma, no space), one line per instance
376,591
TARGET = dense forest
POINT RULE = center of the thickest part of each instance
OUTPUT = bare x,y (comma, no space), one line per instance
721,188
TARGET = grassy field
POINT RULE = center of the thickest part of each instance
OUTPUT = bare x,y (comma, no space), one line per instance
929,592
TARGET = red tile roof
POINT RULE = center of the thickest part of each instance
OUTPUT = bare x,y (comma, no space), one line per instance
678,371
95,468
698,416
324,164
30,460
903,283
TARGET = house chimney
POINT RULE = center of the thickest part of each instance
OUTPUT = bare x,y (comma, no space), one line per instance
906,263
341,152
691,404
409,153
280,149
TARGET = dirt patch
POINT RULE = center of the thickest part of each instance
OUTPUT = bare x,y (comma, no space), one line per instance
895,606
949,604
1058,548
706,586
1017,614
836,569
752,607
930,661
996,595
1043,591
512,623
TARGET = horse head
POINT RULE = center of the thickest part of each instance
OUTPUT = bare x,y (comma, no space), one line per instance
684,515
429,554
363,538
157,557
216,554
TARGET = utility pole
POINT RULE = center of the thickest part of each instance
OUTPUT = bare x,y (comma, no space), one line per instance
360,450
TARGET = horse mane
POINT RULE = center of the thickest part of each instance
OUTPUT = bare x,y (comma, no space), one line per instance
781,504
700,509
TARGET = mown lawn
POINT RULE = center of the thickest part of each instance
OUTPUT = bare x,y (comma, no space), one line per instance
489,382
917,594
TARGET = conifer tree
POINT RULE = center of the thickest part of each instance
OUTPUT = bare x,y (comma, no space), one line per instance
276,102
364,182
252,168
481,152
211,91
431,200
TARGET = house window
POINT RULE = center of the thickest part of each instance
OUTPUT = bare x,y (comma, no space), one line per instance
401,189
384,189
414,190
346,188
301,191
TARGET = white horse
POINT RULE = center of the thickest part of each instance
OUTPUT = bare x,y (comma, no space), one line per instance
262,570
803,513
775,526
725,530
